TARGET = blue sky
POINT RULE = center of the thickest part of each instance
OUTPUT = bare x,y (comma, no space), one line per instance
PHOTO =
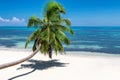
80,12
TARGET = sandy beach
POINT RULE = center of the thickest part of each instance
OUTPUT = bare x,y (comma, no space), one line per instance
61,67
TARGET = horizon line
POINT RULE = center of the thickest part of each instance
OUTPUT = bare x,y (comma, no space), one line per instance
74,26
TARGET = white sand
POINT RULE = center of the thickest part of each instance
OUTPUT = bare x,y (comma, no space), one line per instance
62,67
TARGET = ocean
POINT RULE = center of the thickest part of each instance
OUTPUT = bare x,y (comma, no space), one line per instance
92,39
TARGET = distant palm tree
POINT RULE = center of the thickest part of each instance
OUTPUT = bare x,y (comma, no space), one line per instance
49,34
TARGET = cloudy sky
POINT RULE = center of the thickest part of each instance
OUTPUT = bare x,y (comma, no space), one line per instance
80,12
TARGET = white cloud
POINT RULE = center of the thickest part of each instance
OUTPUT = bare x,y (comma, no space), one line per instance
13,20
4,20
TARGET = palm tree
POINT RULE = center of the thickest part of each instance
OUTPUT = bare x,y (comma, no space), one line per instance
49,35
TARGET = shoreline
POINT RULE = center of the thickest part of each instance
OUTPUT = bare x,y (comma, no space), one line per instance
68,53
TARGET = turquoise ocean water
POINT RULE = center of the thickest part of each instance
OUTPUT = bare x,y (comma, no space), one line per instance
92,39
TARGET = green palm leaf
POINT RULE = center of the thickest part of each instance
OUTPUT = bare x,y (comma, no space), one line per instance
34,22
32,37
62,37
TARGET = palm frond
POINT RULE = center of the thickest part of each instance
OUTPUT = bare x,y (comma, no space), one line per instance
32,37
68,23
52,9
57,45
62,28
60,35
45,34
44,47
34,45
34,22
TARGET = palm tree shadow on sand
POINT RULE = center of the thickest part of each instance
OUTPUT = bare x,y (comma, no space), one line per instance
39,65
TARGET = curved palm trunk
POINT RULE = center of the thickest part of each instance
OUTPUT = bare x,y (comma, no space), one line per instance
2,66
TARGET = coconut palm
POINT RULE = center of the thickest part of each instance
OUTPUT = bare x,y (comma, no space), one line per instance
49,35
